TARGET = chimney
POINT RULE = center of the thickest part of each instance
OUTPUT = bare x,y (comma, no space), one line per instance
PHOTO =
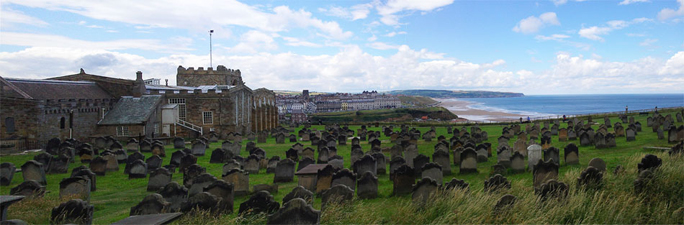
139,85
167,82
138,75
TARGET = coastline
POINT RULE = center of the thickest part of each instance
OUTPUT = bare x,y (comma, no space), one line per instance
463,111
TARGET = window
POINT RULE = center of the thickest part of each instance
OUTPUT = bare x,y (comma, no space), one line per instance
9,124
208,117
104,111
156,128
122,131
181,107
62,122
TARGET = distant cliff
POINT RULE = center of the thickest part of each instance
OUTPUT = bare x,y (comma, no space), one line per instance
456,94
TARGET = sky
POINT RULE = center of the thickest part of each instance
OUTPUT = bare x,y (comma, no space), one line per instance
534,47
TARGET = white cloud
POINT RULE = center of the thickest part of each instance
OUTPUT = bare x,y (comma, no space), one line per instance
42,40
562,2
198,16
254,41
296,42
532,24
355,12
674,66
595,32
10,17
668,13
627,2
372,38
392,34
554,37
382,46
648,42
388,10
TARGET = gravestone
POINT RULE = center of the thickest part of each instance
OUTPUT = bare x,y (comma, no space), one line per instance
544,171
83,171
649,162
220,156
571,154
367,186
356,154
433,171
85,155
308,152
337,162
381,163
145,146
295,211
190,173
423,190
517,162
304,162
503,156
199,183
496,183
572,134
418,163
202,201
112,163
280,138
520,146
272,164
456,184
7,171
32,170
337,194
468,161
187,161
151,204
261,202
403,180
323,155
158,149
344,177
598,163
239,179
552,189
442,158
199,148
59,165
324,178
178,143
366,164
630,134
534,154
284,171
98,166
224,191
672,136
74,211
159,178
154,162
176,158
590,178
552,153
75,188
504,204
138,169
301,193
29,189
232,147
252,164
175,194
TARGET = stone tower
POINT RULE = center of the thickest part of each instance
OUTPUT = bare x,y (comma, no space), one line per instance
221,76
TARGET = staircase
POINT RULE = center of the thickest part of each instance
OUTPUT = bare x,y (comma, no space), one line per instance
190,126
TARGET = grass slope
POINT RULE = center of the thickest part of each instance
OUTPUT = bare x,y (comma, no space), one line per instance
615,203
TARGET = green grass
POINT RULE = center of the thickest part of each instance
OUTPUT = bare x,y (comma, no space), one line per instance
616,203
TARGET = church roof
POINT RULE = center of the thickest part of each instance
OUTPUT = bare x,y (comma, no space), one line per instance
56,89
132,110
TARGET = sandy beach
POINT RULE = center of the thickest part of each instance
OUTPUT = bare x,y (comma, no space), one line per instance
461,109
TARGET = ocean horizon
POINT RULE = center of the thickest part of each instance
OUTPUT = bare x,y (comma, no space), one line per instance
576,104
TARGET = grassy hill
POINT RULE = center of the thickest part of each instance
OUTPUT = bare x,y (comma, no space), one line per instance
615,203
456,94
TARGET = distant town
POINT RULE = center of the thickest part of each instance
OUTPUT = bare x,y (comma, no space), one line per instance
295,108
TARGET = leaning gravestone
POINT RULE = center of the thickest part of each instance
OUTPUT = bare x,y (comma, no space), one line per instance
29,189
74,211
367,186
202,201
32,170
175,194
300,192
284,171
337,194
59,165
151,204
75,188
423,190
199,183
159,178
598,163
7,171
295,211
590,178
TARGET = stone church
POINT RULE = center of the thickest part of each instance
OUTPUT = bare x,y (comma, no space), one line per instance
85,106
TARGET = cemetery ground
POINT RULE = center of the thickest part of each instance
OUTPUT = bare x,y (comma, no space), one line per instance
616,202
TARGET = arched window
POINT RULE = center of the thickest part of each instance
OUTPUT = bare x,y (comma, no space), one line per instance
9,125
62,123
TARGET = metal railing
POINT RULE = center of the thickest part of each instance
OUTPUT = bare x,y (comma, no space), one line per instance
190,126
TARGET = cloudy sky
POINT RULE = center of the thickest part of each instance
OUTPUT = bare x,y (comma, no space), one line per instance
533,47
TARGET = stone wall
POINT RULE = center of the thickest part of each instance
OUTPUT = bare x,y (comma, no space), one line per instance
24,113
221,76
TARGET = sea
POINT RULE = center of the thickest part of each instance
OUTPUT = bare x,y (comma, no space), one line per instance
539,106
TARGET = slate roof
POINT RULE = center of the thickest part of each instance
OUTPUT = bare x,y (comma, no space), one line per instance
54,89
130,110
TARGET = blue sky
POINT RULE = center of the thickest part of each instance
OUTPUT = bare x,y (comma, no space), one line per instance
534,47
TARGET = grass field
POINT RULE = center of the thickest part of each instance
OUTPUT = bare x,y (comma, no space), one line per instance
615,203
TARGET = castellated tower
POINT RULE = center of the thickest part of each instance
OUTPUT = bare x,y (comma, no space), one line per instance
192,77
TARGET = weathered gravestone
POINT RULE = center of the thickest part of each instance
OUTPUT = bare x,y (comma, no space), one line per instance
239,179
7,171
418,162
200,182
75,188
323,155
112,163
504,204
337,162
252,164
224,191
154,162
544,171
295,211
261,202
220,155
552,153
534,154
367,186
175,194
324,178
272,164
158,150
300,192
423,190
74,211
517,162
365,164
503,156
178,143
381,162
442,158
344,177
32,170
59,165
552,189
432,171
403,180
29,189
284,171
199,148
649,162
468,161
186,161
571,154
159,178
496,183
337,194
202,201
151,204
138,169
304,162
598,163
590,178
630,134
190,173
